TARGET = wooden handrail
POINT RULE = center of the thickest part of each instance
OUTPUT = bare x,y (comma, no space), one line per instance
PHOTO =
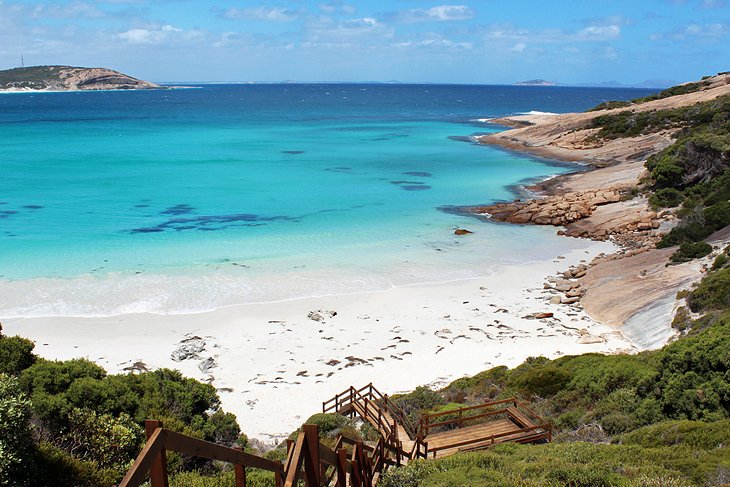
200,448
529,410
467,418
469,408
137,473
490,437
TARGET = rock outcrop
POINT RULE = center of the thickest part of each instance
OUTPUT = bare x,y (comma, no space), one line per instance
552,210
68,78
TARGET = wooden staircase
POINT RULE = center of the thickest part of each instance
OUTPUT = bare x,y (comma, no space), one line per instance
350,462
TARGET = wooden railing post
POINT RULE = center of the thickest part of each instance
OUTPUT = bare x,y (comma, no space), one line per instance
311,456
240,471
341,467
158,470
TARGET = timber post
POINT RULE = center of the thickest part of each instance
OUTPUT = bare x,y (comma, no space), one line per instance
158,470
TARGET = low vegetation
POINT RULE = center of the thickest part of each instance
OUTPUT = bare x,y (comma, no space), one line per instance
69,423
673,91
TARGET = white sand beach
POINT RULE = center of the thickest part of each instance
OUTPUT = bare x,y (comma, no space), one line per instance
273,365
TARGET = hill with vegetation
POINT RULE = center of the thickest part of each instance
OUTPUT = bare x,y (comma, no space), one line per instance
68,78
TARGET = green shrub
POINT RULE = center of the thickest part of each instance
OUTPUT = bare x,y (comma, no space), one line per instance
16,354
690,250
561,464
59,468
713,292
421,399
543,381
682,319
696,434
690,232
720,261
15,432
666,198
610,105
330,424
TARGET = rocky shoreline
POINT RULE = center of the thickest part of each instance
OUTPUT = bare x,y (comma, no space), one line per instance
603,203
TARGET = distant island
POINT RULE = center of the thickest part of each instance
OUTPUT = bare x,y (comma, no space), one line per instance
68,78
536,82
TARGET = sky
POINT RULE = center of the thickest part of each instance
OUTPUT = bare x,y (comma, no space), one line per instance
459,41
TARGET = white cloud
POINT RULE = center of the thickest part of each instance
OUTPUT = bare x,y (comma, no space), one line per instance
149,36
599,32
262,13
353,33
519,47
442,13
435,41
336,5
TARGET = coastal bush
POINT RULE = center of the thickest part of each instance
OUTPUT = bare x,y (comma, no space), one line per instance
421,399
696,434
15,432
721,260
16,354
610,105
674,91
682,319
690,250
561,464
545,380
666,198
713,292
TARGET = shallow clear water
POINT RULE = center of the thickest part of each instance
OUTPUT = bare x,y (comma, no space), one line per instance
186,200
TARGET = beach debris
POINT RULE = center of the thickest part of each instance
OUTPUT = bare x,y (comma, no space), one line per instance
319,315
207,365
539,316
587,339
462,231
189,348
138,366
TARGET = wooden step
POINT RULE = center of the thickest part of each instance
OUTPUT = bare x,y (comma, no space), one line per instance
519,418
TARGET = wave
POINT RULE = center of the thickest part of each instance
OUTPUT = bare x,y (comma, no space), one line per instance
536,112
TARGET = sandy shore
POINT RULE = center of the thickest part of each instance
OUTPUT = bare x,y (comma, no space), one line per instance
274,365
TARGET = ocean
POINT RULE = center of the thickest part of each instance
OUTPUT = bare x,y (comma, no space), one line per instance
187,200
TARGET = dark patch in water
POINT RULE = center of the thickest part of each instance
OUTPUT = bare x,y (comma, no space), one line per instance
141,206
32,207
422,174
212,223
292,152
147,230
339,169
406,182
7,214
421,187
461,138
178,210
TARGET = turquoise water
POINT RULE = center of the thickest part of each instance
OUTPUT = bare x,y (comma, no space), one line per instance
186,200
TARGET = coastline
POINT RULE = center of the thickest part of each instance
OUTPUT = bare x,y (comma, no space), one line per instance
264,356
600,203
261,356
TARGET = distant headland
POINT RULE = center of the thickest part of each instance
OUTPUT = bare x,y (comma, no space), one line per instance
536,82
68,78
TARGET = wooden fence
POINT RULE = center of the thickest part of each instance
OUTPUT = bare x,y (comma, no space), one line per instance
307,459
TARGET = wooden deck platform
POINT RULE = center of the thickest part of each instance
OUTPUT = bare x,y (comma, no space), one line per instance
477,437
442,434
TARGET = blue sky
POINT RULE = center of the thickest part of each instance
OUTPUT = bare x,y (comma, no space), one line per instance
470,41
